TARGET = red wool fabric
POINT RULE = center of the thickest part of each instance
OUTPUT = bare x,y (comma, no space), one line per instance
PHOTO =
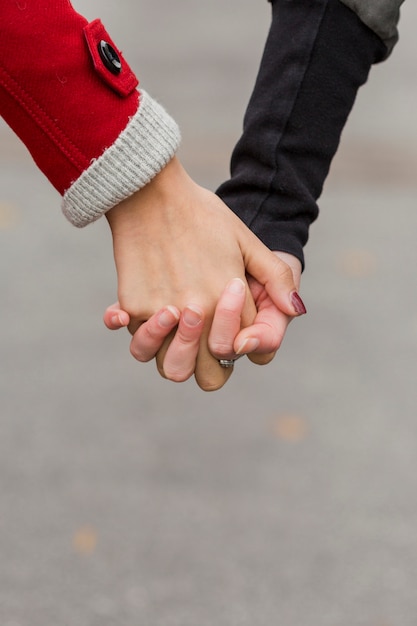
55,91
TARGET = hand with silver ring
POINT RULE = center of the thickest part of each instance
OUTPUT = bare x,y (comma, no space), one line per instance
227,362
227,340
230,362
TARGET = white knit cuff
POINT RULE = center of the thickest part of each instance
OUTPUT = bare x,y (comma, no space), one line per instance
143,148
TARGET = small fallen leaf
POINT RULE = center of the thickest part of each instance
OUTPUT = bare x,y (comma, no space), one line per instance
358,263
85,540
292,428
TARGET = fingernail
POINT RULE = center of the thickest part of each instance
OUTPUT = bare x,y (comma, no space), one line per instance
117,320
192,317
236,286
249,345
298,304
169,317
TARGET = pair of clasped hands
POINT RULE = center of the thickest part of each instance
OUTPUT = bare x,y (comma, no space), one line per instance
195,285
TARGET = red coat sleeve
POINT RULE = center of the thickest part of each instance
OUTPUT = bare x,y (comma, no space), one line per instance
65,89
57,95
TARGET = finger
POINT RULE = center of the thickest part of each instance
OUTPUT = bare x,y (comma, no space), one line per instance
177,360
227,319
274,274
114,317
209,374
262,339
151,335
261,359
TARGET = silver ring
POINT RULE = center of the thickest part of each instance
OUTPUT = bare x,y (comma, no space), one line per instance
227,362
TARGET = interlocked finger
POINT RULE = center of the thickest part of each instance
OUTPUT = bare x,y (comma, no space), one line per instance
176,360
234,309
151,335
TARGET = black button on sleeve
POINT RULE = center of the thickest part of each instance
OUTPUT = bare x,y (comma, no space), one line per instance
110,57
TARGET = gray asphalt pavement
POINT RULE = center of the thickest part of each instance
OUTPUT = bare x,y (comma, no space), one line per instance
287,498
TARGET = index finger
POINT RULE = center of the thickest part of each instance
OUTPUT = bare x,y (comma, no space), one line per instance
235,306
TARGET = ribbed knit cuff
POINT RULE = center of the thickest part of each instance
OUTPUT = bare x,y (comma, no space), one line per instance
143,148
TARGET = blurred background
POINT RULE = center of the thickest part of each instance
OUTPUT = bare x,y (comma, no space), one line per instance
288,497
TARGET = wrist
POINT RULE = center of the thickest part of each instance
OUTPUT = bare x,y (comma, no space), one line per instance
125,211
141,151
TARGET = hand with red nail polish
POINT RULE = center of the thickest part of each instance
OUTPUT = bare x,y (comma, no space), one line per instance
178,245
227,339
260,340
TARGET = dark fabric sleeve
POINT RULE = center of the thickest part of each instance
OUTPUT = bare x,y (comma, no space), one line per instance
317,55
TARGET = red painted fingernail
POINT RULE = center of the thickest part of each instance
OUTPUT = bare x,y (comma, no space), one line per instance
298,304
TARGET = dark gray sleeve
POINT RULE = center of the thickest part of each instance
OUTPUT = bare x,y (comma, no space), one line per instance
381,16
316,57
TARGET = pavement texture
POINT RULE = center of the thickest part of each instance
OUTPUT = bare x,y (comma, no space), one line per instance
287,498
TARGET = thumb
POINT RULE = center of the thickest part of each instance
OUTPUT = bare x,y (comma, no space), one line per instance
274,274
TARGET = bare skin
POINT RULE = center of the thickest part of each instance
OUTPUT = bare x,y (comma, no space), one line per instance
259,341
178,244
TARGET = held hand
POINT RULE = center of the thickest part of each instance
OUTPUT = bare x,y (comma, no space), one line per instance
177,243
171,337
174,243
259,341
262,339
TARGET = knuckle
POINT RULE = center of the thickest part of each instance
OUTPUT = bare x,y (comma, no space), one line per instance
177,375
274,345
149,332
227,312
135,351
262,359
186,339
273,338
212,383
221,348
283,271
211,386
